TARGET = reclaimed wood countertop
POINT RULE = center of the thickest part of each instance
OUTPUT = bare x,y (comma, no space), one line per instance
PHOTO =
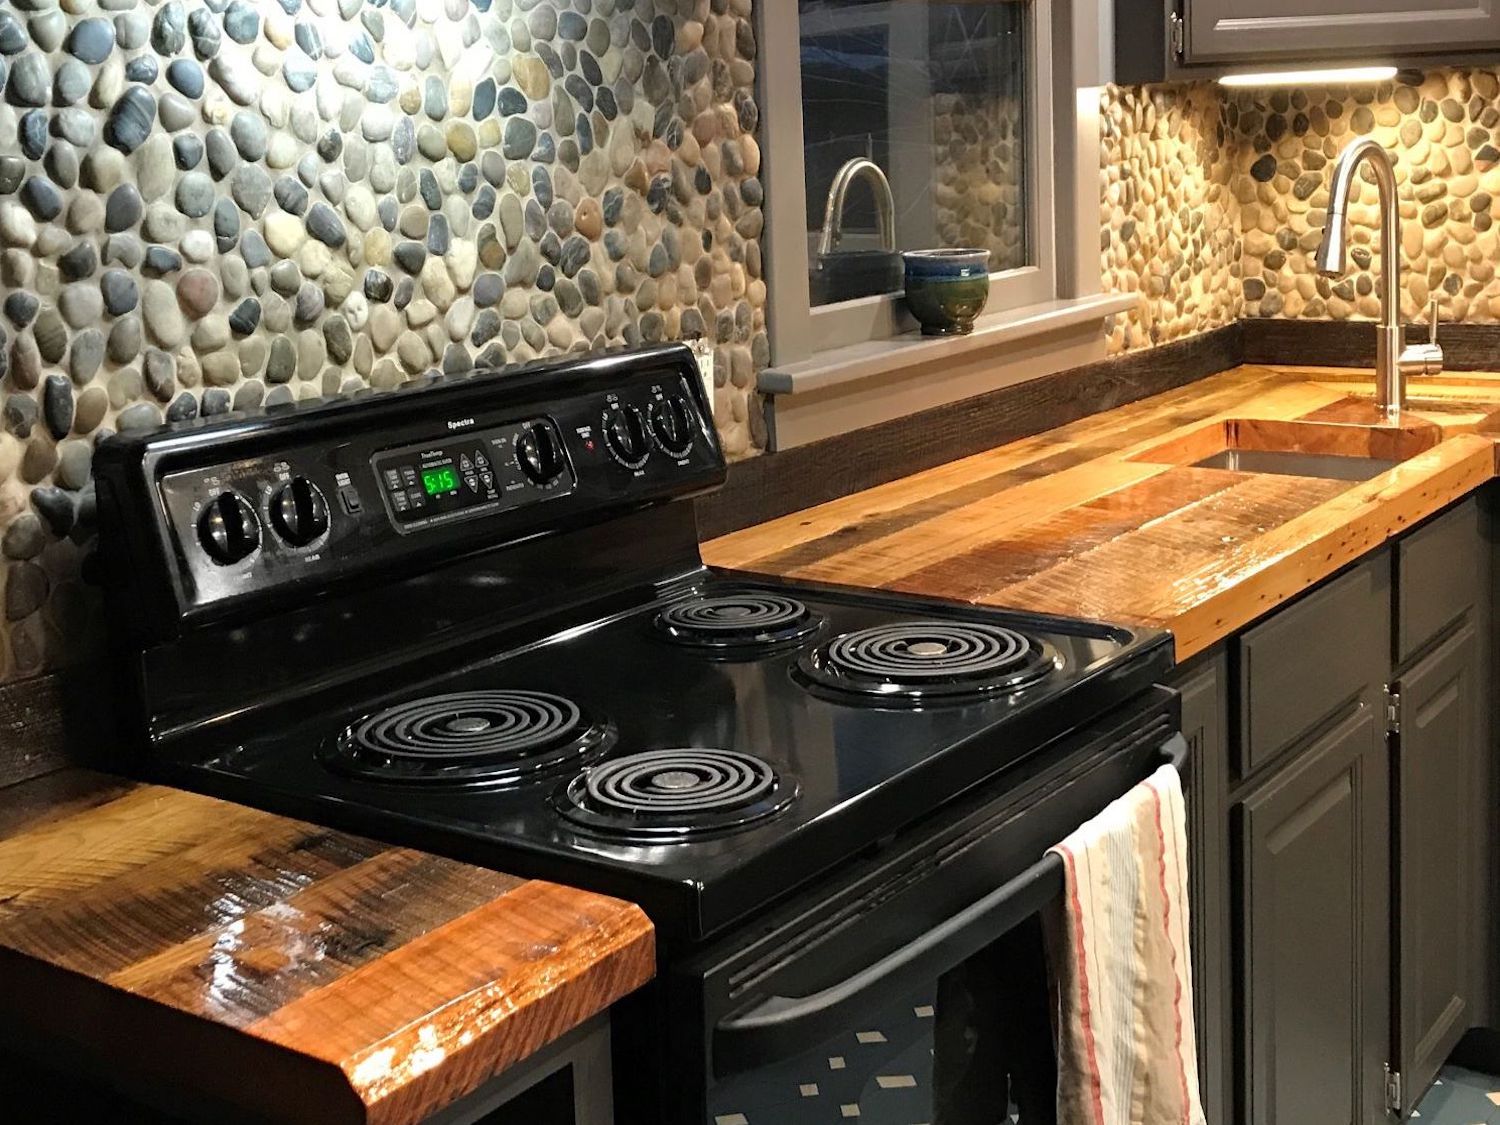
288,971
1109,518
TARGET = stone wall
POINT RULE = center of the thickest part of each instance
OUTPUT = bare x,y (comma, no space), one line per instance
1442,130
980,176
208,205
1214,201
1170,222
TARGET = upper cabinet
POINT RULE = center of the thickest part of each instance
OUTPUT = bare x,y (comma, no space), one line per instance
1157,40
1222,31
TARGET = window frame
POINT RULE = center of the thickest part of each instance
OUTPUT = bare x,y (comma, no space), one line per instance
1062,137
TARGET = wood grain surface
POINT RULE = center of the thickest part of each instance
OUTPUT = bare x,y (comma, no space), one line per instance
1108,518
327,977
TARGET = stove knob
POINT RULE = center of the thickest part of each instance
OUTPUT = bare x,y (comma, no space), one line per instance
539,454
228,529
299,513
672,424
625,435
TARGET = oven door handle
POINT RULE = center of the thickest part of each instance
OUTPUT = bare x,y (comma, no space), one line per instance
783,1027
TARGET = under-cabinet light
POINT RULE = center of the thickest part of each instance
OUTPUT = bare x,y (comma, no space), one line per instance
1331,76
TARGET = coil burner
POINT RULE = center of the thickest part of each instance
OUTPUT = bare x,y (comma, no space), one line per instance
915,662
490,738
675,794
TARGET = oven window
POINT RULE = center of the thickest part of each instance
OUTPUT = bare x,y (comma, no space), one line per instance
973,1047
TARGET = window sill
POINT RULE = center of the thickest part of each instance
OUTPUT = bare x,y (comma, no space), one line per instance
881,357
846,388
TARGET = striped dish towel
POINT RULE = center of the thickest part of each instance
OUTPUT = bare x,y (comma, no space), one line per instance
1118,947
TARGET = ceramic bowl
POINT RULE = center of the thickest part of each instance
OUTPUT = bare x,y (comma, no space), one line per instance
946,289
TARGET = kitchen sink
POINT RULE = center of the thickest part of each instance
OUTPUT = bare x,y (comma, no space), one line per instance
1328,450
1330,466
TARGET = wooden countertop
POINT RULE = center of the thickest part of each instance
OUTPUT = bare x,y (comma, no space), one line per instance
1107,517
302,973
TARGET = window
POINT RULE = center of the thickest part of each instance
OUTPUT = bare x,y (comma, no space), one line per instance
970,111
914,122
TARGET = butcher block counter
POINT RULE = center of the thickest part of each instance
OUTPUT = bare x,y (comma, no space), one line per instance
1109,518
278,969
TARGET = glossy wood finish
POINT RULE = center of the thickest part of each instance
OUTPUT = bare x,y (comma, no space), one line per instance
763,488
197,943
1099,518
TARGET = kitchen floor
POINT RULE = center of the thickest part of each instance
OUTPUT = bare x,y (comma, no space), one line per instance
1461,1097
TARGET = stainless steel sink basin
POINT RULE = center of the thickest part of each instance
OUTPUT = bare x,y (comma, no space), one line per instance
1329,466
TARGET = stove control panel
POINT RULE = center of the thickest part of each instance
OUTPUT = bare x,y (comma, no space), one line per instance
252,509
463,477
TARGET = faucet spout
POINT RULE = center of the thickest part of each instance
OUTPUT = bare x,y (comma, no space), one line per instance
1392,362
833,214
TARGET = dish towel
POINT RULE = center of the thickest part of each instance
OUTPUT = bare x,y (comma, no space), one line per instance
1121,972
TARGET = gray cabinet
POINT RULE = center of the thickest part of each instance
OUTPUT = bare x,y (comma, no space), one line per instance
1204,688
1438,772
1223,31
1314,854
1341,830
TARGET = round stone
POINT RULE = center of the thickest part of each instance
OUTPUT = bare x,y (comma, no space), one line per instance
251,188
195,195
30,81
324,225
81,304
91,40
249,133
85,356
141,416
163,317
130,120
169,28
186,77
187,151
197,292
57,405
119,291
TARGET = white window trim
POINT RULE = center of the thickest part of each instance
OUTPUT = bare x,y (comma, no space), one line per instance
814,351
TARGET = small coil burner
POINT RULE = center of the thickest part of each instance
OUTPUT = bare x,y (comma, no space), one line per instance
915,662
737,623
664,795
489,738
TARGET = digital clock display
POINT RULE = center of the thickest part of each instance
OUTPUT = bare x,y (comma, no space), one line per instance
438,481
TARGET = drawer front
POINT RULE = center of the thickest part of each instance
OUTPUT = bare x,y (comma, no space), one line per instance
1311,659
1440,575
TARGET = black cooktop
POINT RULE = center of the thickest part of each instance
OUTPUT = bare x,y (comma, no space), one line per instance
701,753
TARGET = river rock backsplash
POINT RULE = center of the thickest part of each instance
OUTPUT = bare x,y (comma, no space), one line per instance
1443,128
209,205
1170,223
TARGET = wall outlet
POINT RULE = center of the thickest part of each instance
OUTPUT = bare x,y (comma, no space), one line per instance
703,352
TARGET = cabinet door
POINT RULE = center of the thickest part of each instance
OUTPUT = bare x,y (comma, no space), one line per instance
1204,708
1315,859
1255,30
1438,786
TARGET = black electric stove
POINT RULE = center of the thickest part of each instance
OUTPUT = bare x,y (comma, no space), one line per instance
471,616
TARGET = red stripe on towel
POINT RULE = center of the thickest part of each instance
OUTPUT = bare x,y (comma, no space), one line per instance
1166,921
1076,909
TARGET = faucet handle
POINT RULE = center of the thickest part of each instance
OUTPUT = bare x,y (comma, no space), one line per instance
1424,359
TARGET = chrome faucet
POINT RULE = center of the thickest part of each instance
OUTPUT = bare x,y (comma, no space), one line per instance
885,205
1393,361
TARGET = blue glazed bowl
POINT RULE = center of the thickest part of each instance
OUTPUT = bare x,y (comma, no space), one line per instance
946,289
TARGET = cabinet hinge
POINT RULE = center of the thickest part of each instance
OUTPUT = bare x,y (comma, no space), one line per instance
1393,1097
1179,36
1392,710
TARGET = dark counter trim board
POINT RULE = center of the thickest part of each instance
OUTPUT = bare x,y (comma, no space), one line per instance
763,488
32,736
1323,343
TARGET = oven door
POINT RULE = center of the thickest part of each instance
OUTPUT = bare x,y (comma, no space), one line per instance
917,992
